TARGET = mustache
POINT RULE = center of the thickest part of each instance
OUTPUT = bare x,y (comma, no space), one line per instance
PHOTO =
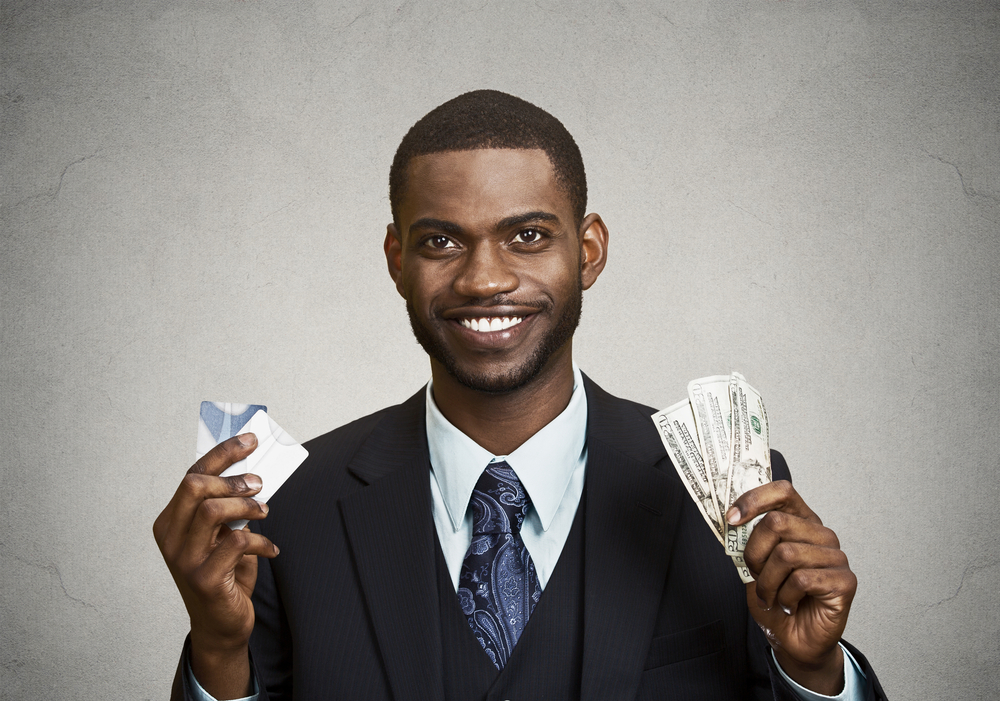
500,300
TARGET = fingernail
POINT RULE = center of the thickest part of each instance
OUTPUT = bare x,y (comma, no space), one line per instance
252,481
263,507
762,605
732,516
788,611
246,439
276,551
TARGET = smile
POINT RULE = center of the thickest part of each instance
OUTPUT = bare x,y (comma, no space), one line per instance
487,324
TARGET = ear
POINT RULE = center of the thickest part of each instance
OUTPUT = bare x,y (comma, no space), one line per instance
593,249
393,247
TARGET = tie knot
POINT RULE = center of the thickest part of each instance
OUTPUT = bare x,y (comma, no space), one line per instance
499,502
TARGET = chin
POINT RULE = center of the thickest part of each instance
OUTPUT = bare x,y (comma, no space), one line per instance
497,382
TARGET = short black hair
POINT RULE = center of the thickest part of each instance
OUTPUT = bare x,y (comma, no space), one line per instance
491,119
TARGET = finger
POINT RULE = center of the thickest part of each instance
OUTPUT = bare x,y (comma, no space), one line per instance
828,584
779,495
175,521
780,527
213,513
216,568
788,558
225,454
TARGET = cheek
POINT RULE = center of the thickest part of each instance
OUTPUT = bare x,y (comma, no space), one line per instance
556,279
423,286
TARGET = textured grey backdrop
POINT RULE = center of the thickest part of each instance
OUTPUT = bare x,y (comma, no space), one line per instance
193,204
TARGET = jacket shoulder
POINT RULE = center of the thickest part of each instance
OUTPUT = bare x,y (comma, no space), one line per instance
622,424
629,427
330,454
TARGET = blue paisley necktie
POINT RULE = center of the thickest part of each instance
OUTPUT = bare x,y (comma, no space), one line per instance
498,587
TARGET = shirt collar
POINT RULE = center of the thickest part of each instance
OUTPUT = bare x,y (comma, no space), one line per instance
544,463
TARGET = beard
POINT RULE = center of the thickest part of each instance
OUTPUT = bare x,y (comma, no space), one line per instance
516,377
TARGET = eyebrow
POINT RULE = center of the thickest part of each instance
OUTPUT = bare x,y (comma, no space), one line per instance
507,223
439,224
518,219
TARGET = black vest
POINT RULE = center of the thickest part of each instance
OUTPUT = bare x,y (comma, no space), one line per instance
547,660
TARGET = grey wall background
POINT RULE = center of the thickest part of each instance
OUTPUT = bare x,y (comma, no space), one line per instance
193,204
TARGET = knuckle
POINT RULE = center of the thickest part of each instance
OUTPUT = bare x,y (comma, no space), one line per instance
225,448
211,510
842,561
800,579
852,582
192,484
240,540
200,466
775,521
750,498
237,484
785,553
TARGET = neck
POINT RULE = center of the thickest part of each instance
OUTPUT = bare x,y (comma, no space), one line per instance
502,422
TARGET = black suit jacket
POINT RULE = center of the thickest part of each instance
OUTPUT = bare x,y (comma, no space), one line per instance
350,607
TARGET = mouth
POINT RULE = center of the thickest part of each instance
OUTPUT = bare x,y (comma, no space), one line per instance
488,324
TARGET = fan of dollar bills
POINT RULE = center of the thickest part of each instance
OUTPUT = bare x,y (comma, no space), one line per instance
717,439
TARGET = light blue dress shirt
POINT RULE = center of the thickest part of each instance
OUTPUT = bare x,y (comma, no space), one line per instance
551,466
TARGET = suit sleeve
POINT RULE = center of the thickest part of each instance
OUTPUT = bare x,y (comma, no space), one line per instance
270,642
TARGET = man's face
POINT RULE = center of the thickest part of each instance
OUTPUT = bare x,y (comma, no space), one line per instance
488,258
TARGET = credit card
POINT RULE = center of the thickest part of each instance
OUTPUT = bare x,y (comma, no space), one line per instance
220,421
274,460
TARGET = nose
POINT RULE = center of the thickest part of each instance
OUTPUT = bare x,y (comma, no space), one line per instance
485,272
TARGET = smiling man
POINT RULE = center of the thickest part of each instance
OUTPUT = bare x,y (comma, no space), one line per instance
510,531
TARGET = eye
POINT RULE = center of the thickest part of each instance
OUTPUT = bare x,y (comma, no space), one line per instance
439,242
528,236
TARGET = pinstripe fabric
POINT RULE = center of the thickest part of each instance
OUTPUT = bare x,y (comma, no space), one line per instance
546,662
351,607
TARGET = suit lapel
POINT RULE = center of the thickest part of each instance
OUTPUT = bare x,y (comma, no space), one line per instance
631,518
391,532
631,514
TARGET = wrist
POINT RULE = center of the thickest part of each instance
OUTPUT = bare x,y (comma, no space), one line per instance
824,675
222,668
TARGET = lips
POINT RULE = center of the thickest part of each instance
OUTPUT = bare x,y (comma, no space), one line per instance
487,324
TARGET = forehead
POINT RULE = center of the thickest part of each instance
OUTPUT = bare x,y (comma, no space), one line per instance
482,186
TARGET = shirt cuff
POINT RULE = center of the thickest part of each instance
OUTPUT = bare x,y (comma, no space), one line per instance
854,682
201,695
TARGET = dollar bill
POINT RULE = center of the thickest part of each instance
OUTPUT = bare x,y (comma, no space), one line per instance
718,440
710,401
750,457
679,436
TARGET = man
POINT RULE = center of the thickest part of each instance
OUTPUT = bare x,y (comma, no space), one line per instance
511,531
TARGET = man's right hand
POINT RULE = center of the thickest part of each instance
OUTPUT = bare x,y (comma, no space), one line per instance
215,568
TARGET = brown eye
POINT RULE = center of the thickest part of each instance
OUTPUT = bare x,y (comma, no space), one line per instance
440,242
528,236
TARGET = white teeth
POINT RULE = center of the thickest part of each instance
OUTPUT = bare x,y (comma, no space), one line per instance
487,324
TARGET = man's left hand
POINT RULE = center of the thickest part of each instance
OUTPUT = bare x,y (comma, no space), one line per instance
804,586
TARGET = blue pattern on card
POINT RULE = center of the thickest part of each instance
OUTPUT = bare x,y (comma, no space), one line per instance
223,425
